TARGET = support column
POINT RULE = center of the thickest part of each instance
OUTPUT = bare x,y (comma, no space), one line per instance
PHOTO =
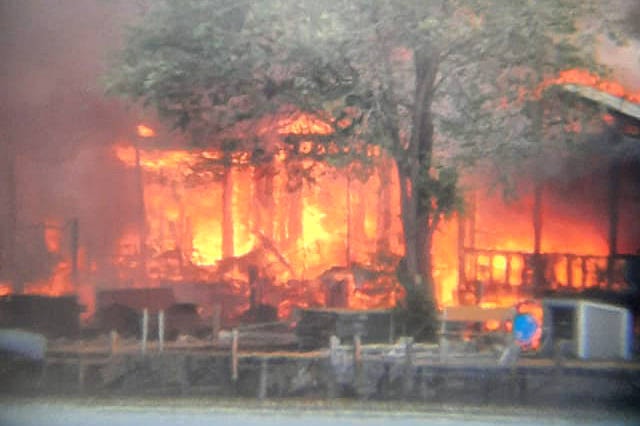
538,271
614,213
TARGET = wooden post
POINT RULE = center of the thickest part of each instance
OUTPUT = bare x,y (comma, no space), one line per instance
538,273
408,367
216,322
332,385
491,257
264,378
357,362
81,374
75,232
334,343
357,349
614,218
142,218
348,224
161,331
227,208
461,263
234,355
569,271
392,327
444,345
145,330
113,342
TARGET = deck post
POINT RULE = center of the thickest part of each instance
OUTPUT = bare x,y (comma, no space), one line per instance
82,370
264,378
161,331
216,321
145,330
234,355
113,342
408,367
332,366
443,344
357,362
614,219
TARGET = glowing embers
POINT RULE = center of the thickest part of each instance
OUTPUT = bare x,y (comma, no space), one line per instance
303,124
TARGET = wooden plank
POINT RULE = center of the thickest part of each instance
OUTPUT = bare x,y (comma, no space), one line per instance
476,314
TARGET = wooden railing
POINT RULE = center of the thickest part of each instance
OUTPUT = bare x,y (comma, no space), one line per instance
489,275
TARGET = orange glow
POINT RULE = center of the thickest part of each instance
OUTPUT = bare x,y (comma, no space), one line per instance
509,228
145,131
492,325
296,234
52,237
58,284
608,118
292,234
5,289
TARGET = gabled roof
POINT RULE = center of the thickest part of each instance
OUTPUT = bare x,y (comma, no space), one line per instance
607,100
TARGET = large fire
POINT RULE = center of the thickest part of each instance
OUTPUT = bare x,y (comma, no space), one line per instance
336,241
291,235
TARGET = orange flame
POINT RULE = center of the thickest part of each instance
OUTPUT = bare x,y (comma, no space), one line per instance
5,289
304,124
52,236
293,235
145,131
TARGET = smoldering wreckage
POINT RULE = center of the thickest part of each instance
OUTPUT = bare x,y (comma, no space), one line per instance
513,322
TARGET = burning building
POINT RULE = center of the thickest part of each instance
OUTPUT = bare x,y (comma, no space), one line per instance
262,232
223,230
573,232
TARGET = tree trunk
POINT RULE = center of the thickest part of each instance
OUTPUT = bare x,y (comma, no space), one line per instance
421,148
409,224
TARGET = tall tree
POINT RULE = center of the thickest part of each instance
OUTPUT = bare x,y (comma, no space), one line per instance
431,82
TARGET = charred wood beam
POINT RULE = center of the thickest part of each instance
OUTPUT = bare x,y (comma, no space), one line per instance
613,204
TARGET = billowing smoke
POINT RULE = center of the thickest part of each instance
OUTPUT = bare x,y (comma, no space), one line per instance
57,126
